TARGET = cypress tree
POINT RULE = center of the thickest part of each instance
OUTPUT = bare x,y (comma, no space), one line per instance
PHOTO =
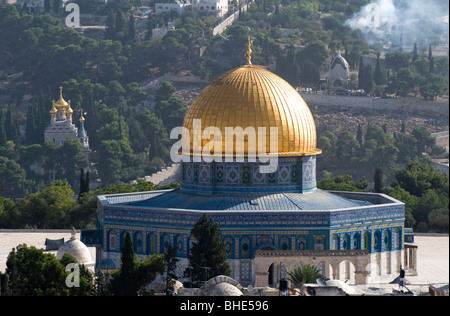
359,135
209,251
126,286
378,180
378,76
87,181
82,183
170,262
131,28
368,79
361,73
30,131
2,130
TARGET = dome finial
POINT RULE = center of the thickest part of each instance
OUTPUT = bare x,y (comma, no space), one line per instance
73,233
53,110
249,51
69,109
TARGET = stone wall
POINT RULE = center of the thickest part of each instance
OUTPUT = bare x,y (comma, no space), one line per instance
407,105
219,29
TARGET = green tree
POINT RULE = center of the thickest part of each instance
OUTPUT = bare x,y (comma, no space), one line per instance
31,272
134,94
417,178
403,83
368,79
73,158
305,273
170,262
378,180
208,251
379,77
346,145
343,183
133,274
50,208
8,215
12,178
434,86
425,141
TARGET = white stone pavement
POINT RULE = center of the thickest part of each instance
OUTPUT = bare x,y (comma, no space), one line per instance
433,252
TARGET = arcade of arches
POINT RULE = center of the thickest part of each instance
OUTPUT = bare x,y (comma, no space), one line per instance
357,266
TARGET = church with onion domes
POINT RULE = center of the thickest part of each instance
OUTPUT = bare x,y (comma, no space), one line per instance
61,126
248,154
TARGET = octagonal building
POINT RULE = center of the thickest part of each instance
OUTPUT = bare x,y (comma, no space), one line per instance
272,219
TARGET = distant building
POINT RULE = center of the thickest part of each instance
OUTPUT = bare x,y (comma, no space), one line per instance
159,33
37,6
217,7
61,126
339,73
179,6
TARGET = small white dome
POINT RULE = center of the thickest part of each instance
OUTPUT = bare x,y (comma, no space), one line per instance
222,285
77,249
224,289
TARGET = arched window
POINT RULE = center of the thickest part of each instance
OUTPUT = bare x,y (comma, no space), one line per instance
319,243
245,247
377,241
138,243
112,245
335,243
387,240
229,246
301,243
165,243
357,241
285,243
346,242
151,243
179,246
367,245
397,239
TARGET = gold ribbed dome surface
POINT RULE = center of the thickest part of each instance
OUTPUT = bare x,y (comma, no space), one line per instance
61,104
253,96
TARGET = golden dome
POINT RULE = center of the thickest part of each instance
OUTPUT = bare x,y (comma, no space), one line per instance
82,119
250,96
61,104
69,109
53,109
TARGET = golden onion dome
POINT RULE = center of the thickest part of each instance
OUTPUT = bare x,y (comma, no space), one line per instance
82,119
69,109
53,110
251,96
61,104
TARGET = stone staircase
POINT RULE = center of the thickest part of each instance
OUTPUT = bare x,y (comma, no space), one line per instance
167,175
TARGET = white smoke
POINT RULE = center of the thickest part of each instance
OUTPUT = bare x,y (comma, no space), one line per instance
402,22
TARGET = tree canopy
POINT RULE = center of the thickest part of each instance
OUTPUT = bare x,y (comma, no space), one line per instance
208,256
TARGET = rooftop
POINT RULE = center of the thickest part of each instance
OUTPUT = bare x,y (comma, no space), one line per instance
315,200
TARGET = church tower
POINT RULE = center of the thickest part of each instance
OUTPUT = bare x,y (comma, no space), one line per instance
82,134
